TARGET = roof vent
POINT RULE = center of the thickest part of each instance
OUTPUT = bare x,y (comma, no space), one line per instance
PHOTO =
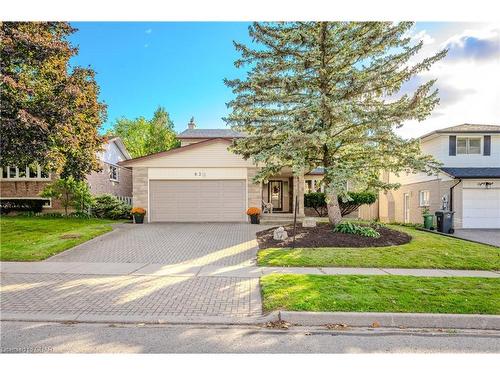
191,124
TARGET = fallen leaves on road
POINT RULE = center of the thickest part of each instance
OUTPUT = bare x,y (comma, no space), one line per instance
279,324
337,326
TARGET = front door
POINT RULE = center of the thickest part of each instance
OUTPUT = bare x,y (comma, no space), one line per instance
276,195
406,207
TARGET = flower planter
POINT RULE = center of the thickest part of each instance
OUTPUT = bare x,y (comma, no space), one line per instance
138,219
254,219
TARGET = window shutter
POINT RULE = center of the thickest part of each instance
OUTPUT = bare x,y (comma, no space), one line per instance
453,145
487,145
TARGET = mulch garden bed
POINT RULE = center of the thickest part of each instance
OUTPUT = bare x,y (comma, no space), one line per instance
324,236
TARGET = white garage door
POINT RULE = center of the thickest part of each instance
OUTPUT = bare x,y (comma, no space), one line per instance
197,200
481,208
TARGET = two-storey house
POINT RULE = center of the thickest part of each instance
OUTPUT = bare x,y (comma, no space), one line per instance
468,182
18,182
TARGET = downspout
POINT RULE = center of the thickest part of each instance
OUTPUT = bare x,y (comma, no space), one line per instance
451,193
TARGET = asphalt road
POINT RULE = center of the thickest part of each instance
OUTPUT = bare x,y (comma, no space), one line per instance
107,338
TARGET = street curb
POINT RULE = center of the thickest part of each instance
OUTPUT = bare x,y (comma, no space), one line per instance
136,319
393,320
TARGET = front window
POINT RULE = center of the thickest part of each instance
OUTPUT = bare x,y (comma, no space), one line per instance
12,172
33,171
424,197
468,145
113,172
24,173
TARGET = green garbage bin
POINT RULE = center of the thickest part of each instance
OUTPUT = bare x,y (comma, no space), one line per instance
428,221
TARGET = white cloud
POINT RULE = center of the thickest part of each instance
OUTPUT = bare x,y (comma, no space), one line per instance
424,37
468,79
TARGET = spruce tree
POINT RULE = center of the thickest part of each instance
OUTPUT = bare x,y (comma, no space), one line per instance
325,94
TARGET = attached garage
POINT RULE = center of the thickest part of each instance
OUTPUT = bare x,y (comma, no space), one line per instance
481,208
197,200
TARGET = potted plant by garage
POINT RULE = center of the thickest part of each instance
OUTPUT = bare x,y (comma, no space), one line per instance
428,218
138,213
254,213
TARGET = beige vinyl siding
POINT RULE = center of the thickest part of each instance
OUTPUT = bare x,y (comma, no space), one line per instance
209,155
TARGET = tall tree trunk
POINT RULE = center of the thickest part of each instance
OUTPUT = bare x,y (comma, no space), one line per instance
334,215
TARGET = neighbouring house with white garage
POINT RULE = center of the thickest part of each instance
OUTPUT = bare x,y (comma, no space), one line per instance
469,179
202,181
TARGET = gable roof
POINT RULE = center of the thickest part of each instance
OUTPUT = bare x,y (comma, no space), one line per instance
465,128
209,133
174,150
472,172
121,146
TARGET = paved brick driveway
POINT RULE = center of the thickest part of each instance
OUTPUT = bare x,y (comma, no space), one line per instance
170,243
115,297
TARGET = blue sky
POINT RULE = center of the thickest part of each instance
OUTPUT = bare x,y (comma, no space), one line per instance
181,66
177,65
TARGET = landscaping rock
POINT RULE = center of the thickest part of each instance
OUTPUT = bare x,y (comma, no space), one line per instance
280,234
309,222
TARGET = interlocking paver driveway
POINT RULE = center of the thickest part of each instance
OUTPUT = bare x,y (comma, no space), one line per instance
116,296
145,296
171,243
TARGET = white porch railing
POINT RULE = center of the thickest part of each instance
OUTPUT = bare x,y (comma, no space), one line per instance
127,200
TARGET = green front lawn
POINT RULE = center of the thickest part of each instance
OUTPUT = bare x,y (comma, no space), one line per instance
425,250
37,238
454,295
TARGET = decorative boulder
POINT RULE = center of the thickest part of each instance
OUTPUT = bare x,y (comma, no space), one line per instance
309,222
280,234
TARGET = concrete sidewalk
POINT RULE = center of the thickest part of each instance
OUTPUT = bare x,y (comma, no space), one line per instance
242,270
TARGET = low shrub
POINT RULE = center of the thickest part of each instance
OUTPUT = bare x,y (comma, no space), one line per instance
80,215
107,206
317,201
352,228
21,205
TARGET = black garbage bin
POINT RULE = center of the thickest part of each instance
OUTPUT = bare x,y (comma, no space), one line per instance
444,220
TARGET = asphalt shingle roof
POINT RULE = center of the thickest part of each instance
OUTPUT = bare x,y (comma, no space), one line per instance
210,133
472,172
466,128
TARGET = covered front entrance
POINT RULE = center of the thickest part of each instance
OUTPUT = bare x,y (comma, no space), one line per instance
279,192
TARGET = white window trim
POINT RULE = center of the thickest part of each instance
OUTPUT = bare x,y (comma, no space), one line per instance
27,176
48,205
421,202
467,147
117,172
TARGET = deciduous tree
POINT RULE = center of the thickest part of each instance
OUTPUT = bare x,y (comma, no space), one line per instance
50,113
143,137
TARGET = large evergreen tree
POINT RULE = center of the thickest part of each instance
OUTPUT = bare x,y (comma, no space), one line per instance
143,137
50,114
324,94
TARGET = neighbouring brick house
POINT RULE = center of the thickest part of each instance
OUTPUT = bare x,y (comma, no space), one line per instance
112,179
27,183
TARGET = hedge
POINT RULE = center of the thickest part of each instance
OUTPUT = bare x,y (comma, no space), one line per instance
317,201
